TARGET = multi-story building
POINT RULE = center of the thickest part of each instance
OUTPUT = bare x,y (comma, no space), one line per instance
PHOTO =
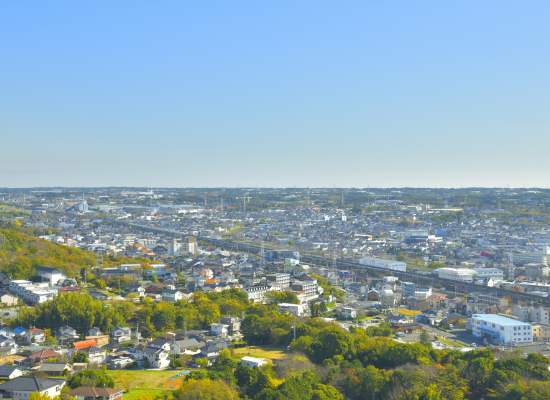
281,279
538,256
309,287
408,289
257,293
501,329
492,300
387,298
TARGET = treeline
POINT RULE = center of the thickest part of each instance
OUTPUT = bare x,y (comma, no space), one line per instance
22,253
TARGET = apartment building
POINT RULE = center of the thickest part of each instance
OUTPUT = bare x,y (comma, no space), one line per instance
282,280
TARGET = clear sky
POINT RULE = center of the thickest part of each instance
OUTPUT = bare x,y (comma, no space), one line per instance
274,93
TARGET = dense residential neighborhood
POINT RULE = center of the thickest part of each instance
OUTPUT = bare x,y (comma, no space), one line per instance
170,287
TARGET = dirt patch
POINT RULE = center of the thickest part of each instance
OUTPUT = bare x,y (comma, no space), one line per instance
7,359
176,383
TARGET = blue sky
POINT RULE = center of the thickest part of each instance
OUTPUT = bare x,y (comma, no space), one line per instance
309,93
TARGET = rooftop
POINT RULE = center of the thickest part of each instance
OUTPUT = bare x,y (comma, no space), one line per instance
499,320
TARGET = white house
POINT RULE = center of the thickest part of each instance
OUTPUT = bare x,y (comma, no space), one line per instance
348,312
50,275
219,329
158,358
121,334
253,362
295,309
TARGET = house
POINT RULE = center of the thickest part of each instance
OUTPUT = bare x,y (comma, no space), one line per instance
410,327
98,295
185,346
212,349
347,312
253,362
373,295
7,332
233,323
160,343
219,329
36,358
140,290
7,372
95,393
8,299
22,387
418,305
121,335
94,332
96,355
7,341
35,335
55,368
50,275
100,340
66,333
387,298
158,358
171,295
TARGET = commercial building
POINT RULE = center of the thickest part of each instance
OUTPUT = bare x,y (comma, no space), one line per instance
494,273
457,274
500,329
538,256
383,263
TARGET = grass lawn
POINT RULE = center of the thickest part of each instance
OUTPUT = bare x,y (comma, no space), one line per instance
135,394
406,311
449,342
267,352
142,379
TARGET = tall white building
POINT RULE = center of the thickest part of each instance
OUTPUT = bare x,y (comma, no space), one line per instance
501,329
82,207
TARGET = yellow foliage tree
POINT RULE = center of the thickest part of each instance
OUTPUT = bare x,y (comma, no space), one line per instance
206,389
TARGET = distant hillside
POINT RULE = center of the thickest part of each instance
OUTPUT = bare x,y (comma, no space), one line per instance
22,253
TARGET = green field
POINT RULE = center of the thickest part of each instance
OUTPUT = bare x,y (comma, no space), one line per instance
142,379
135,394
267,352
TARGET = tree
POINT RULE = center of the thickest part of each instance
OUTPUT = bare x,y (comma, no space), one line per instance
100,284
425,339
206,389
202,362
126,382
80,358
90,377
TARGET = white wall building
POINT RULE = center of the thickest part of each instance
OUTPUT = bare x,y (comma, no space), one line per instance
457,274
253,362
295,309
383,263
495,273
505,330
